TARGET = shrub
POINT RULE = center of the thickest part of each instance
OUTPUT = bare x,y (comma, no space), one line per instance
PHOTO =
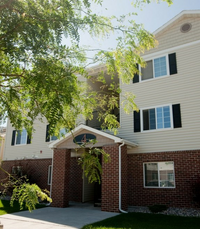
157,208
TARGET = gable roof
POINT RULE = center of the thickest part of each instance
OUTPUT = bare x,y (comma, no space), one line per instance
81,127
179,16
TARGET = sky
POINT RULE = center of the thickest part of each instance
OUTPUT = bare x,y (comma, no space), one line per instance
152,16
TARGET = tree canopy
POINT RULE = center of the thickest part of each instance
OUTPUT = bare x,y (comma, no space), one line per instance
39,74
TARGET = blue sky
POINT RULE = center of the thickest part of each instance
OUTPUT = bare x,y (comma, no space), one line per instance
152,16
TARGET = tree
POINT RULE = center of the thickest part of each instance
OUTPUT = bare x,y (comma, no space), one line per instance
28,195
38,74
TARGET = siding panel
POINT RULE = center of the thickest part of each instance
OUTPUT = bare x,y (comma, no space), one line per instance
37,149
182,88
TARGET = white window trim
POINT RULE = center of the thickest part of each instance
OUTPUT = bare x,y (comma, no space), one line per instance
154,107
158,175
152,59
21,136
49,175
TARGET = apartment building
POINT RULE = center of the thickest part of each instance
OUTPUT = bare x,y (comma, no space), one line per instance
155,157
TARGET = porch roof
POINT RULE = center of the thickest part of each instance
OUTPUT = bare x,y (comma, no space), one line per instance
82,127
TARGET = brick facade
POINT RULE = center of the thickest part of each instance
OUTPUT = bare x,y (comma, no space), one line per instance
68,183
61,176
110,179
187,172
36,169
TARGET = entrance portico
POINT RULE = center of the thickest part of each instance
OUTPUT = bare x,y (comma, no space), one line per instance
67,174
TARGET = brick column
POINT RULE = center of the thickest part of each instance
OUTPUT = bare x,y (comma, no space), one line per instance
110,180
60,178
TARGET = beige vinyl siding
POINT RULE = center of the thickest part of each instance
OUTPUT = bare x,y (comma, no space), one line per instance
38,147
172,36
2,143
183,88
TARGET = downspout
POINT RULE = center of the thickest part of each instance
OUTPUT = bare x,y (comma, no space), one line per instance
120,175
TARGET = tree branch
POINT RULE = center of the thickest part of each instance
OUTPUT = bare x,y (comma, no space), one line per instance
6,5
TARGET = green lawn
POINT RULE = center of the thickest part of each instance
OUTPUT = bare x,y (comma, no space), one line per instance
146,221
5,207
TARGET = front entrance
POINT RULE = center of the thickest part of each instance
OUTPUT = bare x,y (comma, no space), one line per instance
92,191
68,183
88,191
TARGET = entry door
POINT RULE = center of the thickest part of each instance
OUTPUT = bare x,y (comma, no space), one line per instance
88,190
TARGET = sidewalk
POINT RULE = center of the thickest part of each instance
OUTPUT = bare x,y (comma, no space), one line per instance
76,216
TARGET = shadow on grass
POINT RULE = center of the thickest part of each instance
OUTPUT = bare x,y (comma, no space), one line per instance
5,207
147,221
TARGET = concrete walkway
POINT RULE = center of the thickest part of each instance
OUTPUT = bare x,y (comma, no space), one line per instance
75,216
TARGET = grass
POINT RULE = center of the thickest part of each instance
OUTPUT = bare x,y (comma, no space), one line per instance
5,207
146,221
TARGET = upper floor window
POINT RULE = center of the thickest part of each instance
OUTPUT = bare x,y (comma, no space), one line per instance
158,67
20,137
155,118
53,137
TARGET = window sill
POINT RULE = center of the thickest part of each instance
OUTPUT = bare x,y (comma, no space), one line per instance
152,79
21,144
156,130
160,187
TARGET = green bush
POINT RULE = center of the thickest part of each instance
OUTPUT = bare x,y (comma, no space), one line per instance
157,208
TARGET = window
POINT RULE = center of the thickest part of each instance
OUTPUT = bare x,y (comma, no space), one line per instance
53,137
20,137
155,68
158,67
159,174
157,118
160,117
17,170
49,174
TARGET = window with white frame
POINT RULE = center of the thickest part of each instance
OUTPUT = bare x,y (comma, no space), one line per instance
20,137
157,118
49,174
158,67
155,68
49,137
159,174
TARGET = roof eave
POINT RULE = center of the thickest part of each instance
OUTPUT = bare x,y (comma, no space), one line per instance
81,127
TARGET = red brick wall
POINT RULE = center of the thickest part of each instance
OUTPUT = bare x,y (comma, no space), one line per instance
76,181
61,176
110,180
37,169
187,171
